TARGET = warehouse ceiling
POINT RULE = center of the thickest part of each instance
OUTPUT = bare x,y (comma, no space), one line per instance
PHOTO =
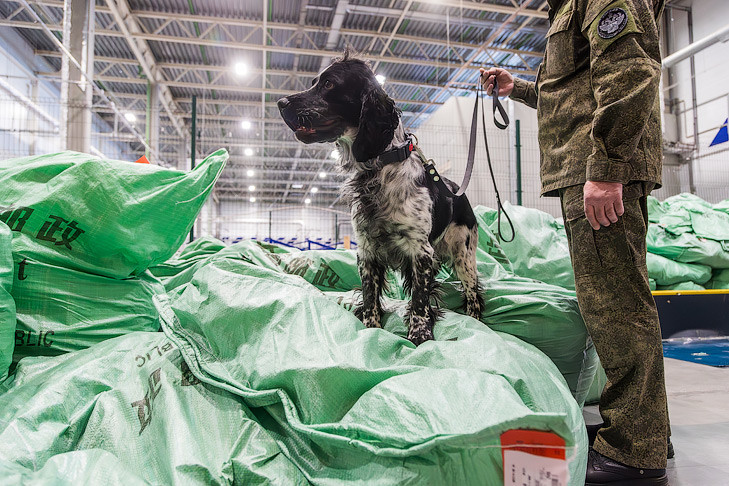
239,56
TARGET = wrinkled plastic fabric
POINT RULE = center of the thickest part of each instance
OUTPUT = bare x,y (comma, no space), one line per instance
7,304
539,250
719,280
687,247
669,272
128,411
543,315
106,217
346,403
61,310
682,286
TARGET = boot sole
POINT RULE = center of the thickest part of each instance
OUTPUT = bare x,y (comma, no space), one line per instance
659,481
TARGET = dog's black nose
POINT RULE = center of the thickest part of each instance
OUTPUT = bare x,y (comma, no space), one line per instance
283,103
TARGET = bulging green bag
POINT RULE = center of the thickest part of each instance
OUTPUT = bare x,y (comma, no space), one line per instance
101,216
7,304
61,310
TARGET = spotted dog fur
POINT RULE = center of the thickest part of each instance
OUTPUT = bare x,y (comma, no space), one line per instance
401,219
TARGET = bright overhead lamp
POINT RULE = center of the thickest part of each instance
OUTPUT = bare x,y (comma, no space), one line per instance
246,124
250,173
241,69
381,79
307,201
248,152
251,188
130,117
314,190
297,186
334,154
253,199
322,175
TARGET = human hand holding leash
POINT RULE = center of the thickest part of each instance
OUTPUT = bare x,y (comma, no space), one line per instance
503,77
603,203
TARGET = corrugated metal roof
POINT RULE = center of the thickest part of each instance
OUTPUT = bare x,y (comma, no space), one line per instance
196,45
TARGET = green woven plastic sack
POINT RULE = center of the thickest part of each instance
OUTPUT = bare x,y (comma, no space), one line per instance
539,249
354,405
198,250
7,304
128,411
106,217
61,310
682,286
655,209
687,247
593,396
669,272
719,280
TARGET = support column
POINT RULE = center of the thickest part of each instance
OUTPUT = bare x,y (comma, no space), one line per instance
153,120
76,93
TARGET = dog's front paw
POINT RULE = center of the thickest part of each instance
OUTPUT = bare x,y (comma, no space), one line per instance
420,331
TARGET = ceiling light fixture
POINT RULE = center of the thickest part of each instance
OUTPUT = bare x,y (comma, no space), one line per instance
248,152
241,69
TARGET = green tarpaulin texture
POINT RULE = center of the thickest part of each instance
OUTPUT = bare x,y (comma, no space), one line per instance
7,304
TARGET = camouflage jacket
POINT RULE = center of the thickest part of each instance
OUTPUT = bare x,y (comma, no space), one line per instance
596,93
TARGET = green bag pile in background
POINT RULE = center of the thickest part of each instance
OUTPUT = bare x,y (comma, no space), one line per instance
668,272
539,249
7,304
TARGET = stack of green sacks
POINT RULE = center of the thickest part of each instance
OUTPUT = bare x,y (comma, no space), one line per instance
693,237
85,230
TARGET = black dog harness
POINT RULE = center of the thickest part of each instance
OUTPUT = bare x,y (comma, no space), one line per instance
402,152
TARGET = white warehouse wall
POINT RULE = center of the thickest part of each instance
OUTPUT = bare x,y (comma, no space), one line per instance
711,164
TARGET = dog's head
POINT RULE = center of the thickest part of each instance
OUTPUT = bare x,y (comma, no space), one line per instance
343,99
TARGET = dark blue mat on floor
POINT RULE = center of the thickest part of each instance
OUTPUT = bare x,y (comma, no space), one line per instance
709,351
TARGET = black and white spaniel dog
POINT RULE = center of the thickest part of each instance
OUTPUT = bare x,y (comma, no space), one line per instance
402,220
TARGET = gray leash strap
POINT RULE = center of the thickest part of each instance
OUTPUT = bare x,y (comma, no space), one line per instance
433,173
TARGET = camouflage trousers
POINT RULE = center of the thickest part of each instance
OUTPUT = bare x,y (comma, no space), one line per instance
611,281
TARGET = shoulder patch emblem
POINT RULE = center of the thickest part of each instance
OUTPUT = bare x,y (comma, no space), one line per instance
612,23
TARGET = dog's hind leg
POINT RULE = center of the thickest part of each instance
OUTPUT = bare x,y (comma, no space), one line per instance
372,274
420,312
459,245
464,263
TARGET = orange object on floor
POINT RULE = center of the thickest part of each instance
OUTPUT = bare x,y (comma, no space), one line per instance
142,160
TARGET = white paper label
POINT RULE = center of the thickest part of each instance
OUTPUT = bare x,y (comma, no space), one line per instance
524,469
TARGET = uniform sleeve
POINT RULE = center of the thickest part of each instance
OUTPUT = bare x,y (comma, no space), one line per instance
524,92
625,69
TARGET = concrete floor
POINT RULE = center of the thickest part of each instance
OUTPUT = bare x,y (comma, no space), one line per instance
698,404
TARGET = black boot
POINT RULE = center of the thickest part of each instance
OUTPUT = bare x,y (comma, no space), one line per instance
592,433
602,470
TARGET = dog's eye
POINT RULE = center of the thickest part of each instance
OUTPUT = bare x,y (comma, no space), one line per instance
328,84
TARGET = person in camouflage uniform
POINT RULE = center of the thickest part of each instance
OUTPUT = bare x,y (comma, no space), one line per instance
598,109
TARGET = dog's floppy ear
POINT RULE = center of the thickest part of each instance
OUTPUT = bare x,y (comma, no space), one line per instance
377,124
